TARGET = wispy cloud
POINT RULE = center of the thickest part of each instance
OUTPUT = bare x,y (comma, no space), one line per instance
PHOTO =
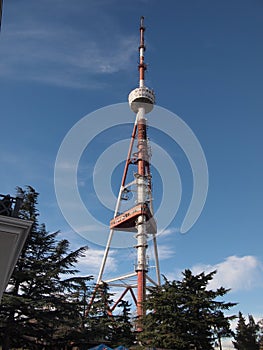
236,273
90,263
169,231
164,252
46,50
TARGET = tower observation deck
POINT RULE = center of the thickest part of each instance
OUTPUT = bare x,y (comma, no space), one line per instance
140,217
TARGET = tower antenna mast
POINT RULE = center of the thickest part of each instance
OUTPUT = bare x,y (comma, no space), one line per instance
140,217
142,66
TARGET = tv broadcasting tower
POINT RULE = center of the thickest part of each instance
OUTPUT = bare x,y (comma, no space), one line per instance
139,218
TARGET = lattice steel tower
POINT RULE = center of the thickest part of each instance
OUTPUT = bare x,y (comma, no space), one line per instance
140,218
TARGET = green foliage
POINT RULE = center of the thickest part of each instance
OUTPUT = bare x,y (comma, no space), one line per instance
247,334
45,304
124,334
260,334
185,314
101,323
39,306
106,327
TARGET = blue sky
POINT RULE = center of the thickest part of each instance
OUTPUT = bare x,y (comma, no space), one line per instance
61,60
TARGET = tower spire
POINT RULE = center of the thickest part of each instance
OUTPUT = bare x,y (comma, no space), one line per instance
142,66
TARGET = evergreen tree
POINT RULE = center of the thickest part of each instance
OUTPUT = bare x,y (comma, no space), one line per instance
260,335
101,321
185,314
247,334
38,307
76,331
124,333
112,329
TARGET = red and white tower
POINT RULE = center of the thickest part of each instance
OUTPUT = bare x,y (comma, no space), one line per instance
140,217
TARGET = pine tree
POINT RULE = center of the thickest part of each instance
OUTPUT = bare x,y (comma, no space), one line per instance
124,333
113,329
185,314
246,337
260,334
101,321
38,306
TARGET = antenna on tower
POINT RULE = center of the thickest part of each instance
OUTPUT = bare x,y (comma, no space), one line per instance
142,66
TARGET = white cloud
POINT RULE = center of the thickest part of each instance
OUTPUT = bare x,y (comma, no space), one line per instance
91,262
236,273
165,251
74,66
41,49
169,231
